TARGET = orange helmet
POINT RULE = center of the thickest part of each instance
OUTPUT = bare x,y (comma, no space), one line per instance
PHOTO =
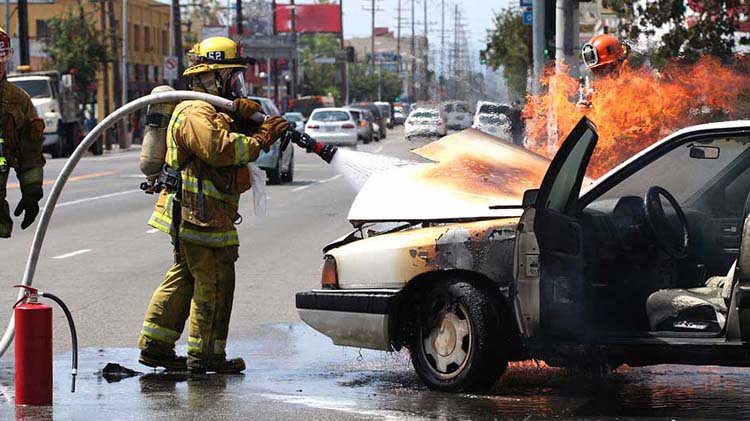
601,50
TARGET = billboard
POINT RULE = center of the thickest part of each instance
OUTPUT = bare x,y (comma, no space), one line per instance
309,18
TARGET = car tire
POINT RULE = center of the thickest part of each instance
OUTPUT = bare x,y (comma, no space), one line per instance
472,363
274,175
58,149
289,174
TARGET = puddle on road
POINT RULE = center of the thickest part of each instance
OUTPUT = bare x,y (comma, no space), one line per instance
295,371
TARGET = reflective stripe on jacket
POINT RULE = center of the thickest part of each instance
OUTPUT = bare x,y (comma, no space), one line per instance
218,168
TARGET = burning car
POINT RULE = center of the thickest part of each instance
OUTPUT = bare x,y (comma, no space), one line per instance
496,254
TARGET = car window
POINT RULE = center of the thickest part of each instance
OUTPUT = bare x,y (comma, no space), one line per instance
330,116
36,88
564,183
356,115
271,107
718,186
493,109
499,119
424,114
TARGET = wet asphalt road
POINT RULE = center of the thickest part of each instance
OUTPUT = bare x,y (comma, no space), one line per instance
295,373
103,260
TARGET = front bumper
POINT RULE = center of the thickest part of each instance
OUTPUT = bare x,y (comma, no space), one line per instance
333,138
356,318
50,139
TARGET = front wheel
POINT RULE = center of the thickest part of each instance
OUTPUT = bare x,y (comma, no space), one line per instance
459,345
275,175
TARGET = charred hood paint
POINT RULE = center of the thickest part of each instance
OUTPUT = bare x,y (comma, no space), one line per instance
472,171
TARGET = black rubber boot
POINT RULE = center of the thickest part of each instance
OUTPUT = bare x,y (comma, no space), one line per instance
169,362
233,366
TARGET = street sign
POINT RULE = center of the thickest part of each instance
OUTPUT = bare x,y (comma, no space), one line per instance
170,68
526,3
325,60
528,17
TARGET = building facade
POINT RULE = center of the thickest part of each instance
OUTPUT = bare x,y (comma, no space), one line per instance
148,40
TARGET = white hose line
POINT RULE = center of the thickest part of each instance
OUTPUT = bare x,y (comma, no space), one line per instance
49,207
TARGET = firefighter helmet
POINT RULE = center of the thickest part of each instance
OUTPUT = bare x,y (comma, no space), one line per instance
603,49
215,53
5,49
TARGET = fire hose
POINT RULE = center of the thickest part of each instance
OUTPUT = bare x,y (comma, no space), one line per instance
325,151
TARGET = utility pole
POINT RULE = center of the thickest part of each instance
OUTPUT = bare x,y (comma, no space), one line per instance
7,15
105,73
442,42
345,64
425,87
372,34
538,42
177,35
23,32
412,77
566,36
239,16
119,130
293,92
124,141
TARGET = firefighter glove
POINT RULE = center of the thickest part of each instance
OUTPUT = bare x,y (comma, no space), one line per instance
245,109
271,130
29,206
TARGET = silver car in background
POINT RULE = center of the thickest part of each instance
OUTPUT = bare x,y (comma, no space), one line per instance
298,119
279,166
334,126
365,121
424,122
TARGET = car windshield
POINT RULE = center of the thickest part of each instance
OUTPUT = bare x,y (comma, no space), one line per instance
330,116
455,108
424,114
35,88
293,117
496,120
718,184
493,109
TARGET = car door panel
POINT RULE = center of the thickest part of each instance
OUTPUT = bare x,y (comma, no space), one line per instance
563,288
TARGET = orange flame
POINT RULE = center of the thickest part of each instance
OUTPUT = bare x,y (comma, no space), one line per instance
636,107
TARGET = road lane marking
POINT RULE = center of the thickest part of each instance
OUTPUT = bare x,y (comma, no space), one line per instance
152,231
76,178
300,188
72,253
94,198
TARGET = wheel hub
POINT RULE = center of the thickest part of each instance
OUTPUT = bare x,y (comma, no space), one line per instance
445,343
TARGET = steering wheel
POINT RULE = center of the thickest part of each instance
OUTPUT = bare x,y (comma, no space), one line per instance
673,240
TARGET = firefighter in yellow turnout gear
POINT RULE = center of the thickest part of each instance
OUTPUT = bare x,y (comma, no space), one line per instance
21,133
210,151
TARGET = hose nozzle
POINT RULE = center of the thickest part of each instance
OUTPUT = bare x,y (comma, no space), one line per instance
325,151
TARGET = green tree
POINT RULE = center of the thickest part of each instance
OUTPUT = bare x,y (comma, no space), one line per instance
318,79
77,44
711,31
507,49
363,84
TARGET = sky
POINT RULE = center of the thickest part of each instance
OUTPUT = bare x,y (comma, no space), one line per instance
478,16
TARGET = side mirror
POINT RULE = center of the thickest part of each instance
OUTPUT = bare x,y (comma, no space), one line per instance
529,198
704,152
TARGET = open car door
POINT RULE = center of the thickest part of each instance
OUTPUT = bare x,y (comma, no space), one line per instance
563,297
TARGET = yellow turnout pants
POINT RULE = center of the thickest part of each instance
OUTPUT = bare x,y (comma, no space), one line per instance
200,285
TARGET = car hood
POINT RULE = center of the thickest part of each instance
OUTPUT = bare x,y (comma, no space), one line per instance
470,172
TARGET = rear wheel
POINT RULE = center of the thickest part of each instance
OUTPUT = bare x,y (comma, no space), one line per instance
274,175
459,345
289,174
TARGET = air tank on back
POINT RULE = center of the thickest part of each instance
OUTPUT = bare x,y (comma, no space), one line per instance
154,148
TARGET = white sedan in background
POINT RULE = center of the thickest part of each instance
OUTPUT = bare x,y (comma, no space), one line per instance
424,122
497,125
335,126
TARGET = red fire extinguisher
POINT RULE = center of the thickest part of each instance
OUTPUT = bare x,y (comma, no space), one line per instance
33,348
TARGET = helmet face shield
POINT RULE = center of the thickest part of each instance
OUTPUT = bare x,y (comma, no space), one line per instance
590,56
237,88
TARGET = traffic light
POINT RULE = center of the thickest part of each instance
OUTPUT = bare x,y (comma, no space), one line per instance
482,57
350,54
